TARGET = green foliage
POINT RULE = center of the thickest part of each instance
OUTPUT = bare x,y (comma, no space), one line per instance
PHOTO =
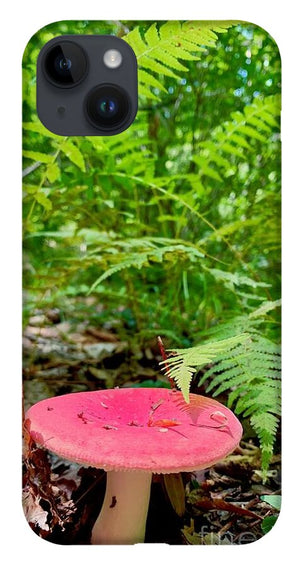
182,366
252,375
149,251
160,50
269,521
236,137
246,366
173,225
272,499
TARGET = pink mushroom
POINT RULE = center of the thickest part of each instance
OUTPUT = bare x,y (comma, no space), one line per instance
132,433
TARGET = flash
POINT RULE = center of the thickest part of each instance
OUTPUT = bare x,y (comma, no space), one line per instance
112,58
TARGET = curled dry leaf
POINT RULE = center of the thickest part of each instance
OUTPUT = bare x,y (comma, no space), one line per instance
34,513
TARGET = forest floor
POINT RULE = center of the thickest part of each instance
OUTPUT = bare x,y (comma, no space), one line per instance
223,505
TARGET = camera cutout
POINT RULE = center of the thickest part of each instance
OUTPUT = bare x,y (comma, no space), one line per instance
86,85
65,64
107,106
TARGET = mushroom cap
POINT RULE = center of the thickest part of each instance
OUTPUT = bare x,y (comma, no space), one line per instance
149,429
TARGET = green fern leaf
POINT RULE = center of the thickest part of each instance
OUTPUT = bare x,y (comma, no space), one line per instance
183,365
73,153
39,128
37,156
161,49
265,308
136,261
146,78
152,36
148,252
253,380
266,425
255,123
247,366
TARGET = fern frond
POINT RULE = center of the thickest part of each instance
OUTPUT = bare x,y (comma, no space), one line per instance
247,366
265,425
147,252
252,379
248,323
265,308
183,365
235,137
236,282
160,50
134,261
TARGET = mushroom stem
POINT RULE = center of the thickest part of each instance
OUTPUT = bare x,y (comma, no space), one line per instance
122,519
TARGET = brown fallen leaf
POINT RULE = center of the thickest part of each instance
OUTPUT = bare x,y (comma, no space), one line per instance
175,489
220,504
102,335
33,512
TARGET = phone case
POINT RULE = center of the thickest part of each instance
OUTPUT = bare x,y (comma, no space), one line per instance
152,297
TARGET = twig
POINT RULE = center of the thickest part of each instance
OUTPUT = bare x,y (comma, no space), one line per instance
164,357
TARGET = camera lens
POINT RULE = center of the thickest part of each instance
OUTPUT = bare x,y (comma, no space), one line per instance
107,106
65,64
